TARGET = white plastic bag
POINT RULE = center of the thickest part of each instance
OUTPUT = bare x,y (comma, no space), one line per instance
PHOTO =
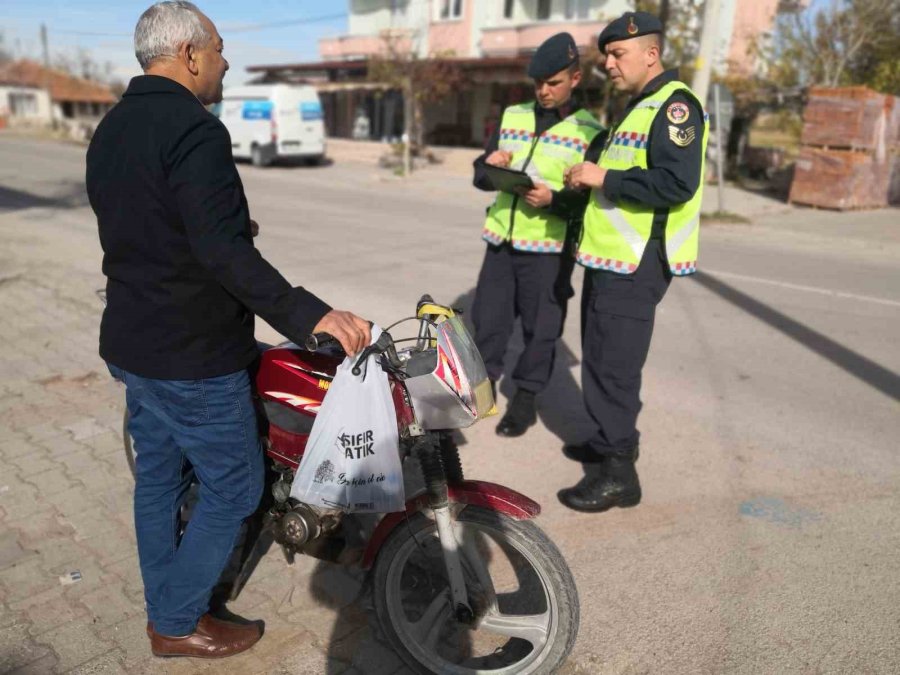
352,458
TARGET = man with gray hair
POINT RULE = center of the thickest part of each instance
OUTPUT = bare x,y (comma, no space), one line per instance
183,283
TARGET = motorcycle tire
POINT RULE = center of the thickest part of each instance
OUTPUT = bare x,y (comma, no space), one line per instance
407,576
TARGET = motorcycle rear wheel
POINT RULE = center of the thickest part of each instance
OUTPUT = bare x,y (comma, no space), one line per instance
520,588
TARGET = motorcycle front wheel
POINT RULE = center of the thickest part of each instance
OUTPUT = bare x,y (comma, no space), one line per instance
520,589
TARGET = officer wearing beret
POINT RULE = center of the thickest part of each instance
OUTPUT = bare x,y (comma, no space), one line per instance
526,273
641,228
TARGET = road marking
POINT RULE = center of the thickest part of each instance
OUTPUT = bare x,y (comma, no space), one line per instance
799,287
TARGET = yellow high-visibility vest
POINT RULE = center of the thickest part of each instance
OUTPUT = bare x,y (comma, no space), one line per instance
615,234
545,158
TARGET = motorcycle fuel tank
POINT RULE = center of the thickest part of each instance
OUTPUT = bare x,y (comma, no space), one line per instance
292,383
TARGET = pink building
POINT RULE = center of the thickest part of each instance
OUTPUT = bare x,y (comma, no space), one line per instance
491,40
748,23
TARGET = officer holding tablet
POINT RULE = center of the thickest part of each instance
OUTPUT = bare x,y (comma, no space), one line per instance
526,273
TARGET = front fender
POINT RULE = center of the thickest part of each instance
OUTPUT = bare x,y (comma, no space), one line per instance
470,492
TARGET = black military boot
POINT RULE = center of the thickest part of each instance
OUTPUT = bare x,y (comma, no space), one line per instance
608,483
520,415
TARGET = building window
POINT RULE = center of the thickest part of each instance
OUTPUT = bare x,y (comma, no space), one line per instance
577,9
508,8
450,9
23,105
543,9
398,7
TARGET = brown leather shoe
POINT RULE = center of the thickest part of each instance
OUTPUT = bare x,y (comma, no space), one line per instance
212,639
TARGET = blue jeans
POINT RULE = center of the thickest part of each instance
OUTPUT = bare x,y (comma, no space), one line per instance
209,425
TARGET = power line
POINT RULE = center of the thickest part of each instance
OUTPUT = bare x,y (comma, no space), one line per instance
239,29
293,22
91,33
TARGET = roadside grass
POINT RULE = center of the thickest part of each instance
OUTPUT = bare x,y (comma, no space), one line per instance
723,217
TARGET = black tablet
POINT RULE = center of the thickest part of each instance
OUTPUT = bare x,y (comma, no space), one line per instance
507,180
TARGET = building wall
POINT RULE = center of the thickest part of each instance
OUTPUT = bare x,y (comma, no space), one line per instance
35,102
369,18
526,11
452,35
741,23
466,35
750,20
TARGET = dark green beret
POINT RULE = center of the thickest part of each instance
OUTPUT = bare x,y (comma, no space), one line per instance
554,54
629,25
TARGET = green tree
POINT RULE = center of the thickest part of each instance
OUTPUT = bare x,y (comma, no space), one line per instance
848,42
877,64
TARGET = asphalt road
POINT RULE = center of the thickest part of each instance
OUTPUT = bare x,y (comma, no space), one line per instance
768,539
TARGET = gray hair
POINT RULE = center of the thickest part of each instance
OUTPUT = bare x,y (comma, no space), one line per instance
164,27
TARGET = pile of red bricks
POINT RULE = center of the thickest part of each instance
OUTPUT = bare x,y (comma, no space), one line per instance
850,149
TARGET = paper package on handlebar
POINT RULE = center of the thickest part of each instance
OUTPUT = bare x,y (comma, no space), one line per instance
352,459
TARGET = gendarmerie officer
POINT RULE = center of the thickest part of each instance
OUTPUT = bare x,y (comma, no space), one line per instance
525,273
641,227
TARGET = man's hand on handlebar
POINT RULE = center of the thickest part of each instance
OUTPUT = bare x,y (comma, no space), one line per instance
351,331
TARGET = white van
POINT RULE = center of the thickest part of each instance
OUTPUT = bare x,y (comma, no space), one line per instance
270,121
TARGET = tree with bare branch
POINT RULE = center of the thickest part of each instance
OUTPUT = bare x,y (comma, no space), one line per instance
848,42
421,80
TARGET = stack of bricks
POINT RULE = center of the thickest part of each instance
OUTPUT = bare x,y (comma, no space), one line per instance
850,148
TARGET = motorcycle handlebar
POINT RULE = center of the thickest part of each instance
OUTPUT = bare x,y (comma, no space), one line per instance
384,345
317,341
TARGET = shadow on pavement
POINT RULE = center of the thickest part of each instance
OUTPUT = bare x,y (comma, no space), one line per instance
293,163
73,196
560,406
355,639
873,374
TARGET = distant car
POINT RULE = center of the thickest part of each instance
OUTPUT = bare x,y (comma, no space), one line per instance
274,121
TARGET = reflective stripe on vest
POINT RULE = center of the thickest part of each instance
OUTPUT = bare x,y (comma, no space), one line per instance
545,158
615,235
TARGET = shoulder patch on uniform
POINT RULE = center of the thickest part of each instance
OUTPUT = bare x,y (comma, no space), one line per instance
678,112
682,137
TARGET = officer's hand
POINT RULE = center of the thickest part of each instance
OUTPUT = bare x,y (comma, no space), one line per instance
538,196
584,175
499,158
254,228
351,331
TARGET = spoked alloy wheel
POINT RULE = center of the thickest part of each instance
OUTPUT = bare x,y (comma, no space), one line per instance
520,588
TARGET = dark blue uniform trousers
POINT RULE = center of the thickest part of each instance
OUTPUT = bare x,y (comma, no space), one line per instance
617,313
534,287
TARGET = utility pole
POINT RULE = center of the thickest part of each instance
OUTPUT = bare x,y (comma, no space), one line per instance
700,85
720,149
44,45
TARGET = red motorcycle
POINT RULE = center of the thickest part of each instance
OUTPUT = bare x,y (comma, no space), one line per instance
463,580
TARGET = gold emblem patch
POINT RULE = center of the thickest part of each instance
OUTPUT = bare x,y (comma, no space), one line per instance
678,112
682,137
632,26
571,52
